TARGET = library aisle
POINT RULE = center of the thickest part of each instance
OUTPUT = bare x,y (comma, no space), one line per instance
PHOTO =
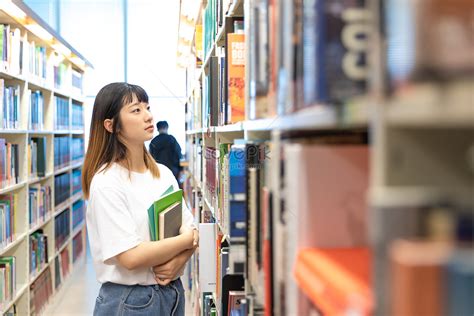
79,294
327,156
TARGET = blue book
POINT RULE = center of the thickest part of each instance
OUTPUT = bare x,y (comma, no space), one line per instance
237,220
237,170
460,276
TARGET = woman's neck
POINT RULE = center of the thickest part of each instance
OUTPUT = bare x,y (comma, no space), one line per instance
135,158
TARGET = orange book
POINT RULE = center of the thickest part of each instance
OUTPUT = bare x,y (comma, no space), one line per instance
336,280
417,272
236,79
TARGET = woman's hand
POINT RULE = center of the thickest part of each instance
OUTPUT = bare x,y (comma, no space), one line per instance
191,233
166,272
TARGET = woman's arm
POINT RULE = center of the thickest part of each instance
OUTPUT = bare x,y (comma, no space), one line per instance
153,253
166,272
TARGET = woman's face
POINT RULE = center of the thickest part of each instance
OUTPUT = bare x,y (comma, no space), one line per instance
137,122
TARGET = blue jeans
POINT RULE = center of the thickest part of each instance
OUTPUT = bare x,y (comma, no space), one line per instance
138,300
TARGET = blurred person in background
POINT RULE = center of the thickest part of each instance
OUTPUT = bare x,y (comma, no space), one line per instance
165,149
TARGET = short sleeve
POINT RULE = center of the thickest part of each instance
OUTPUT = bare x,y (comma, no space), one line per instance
114,224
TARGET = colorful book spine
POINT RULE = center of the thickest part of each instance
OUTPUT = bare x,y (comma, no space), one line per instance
77,213
40,204
9,163
237,193
236,77
8,280
62,187
62,228
40,292
77,246
38,252
8,218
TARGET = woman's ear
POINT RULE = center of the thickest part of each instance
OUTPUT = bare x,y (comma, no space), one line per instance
109,125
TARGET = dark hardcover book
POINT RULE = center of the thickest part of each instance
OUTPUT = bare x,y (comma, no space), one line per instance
170,221
214,91
334,70
230,284
41,156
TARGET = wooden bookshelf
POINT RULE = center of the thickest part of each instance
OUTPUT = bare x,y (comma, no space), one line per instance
56,52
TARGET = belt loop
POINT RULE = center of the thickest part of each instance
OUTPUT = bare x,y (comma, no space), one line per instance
177,299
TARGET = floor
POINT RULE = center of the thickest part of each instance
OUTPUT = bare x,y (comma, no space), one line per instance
78,296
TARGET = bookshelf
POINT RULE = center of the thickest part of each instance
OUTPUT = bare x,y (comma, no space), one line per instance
361,184
421,192
263,251
41,153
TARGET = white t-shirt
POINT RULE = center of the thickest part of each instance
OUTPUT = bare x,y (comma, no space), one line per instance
117,219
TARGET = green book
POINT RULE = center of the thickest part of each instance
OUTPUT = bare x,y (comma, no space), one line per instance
168,198
10,261
41,158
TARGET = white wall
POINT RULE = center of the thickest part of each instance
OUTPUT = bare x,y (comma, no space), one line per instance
96,30
152,44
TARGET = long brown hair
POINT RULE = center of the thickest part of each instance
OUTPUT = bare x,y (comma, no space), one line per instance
106,148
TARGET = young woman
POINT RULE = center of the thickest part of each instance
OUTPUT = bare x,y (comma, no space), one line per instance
120,181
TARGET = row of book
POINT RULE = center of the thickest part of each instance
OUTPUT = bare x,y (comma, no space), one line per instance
61,267
62,188
425,248
20,56
62,151
225,221
209,26
295,52
40,292
10,110
441,271
67,149
9,105
9,204
36,107
38,61
237,304
77,82
77,147
221,99
77,116
38,252
36,152
7,279
61,118
11,46
77,213
76,181
9,163
62,228
77,246
60,75
243,215
40,204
